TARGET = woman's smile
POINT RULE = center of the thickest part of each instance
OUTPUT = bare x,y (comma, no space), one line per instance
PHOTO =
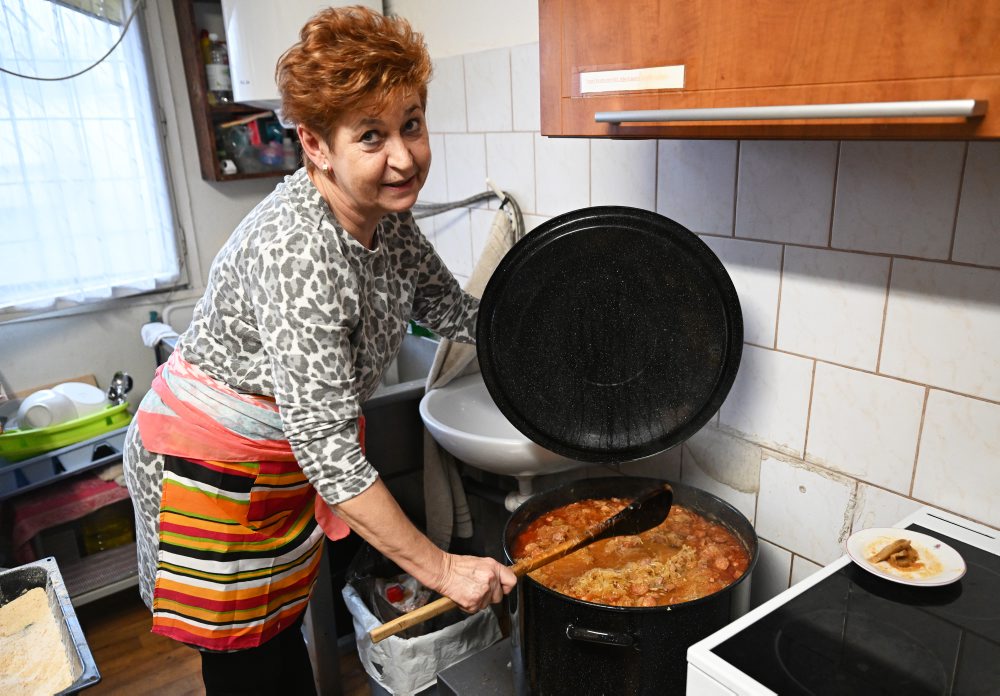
402,186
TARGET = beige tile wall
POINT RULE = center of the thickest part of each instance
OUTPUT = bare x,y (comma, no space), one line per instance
869,275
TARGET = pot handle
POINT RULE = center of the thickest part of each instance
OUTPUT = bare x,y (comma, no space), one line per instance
619,640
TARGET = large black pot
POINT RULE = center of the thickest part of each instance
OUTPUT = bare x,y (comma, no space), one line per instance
563,645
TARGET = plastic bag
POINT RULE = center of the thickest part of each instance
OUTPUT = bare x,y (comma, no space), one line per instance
404,666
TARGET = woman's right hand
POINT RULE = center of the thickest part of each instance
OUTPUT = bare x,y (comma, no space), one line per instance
474,582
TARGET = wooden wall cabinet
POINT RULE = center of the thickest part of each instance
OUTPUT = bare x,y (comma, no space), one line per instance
772,53
207,116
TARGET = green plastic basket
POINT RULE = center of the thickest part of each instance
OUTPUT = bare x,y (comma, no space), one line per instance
16,445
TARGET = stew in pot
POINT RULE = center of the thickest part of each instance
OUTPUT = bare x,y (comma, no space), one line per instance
685,558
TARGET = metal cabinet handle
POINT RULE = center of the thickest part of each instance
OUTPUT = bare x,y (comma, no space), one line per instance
966,108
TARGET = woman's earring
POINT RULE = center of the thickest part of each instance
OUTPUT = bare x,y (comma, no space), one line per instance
325,167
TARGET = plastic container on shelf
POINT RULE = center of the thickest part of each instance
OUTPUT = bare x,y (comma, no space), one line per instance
108,528
271,154
16,445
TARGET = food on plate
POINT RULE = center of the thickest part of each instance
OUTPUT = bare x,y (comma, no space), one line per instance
899,554
33,659
684,558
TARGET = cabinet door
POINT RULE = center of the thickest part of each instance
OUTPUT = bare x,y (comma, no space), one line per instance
766,53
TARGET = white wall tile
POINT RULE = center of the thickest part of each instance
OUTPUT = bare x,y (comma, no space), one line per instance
785,190
771,574
832,304
446,97
977,234
802,568
623,172
804,511
865,425
453,240
533,221
526,91
897,197
696,183
770,398
466,162
427,229
755,268
959,463
562,174
510,163
435,188
481,222
879,508
487,90
723,465
942,327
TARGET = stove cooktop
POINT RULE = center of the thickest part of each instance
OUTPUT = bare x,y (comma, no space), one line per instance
855,633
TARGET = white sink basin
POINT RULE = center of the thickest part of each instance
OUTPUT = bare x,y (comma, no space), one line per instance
462,418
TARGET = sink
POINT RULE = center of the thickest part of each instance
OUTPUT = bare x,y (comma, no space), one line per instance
462,418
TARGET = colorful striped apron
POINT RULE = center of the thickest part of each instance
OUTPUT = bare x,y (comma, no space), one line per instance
239,546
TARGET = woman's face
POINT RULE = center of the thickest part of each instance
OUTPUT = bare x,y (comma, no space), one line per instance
378,160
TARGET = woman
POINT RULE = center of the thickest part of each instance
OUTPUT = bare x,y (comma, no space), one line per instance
257,411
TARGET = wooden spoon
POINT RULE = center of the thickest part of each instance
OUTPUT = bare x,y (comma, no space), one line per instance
648,510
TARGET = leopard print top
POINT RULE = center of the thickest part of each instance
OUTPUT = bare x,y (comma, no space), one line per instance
296,308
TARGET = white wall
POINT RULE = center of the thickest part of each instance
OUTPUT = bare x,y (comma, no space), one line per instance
454,27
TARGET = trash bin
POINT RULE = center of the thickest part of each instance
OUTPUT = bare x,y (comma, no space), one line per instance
407,664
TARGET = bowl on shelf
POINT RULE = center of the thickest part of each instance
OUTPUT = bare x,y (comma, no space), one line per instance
44,408
86,398
18,444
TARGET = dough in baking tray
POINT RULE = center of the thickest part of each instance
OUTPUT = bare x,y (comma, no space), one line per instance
33,659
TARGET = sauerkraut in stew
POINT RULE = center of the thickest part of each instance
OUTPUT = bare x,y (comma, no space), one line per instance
684,558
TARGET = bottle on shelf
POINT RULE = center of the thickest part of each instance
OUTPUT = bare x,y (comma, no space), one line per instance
205,44
220,84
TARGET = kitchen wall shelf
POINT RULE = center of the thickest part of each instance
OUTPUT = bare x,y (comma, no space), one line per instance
208,117
17,478
724,70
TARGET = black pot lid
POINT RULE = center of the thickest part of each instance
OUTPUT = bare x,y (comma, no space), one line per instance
609,334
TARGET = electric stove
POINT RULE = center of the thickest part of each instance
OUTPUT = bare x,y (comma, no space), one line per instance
844,630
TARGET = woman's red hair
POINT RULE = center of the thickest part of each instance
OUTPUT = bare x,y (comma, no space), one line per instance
347,57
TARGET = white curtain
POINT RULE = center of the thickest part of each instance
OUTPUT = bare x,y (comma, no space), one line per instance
85,212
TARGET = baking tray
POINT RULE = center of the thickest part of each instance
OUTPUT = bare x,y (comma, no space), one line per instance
45,574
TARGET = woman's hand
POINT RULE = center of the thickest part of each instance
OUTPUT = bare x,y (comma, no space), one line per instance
474,583
471,582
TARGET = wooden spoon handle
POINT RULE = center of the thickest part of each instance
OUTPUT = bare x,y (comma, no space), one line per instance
412,618
443,604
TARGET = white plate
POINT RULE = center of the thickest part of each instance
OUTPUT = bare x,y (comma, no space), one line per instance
941,564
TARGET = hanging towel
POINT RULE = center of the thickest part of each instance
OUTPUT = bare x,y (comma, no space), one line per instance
155,331
444,497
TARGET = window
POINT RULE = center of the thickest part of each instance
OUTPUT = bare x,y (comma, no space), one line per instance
85,211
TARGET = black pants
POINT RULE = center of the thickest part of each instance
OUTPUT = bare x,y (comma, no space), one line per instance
279,666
